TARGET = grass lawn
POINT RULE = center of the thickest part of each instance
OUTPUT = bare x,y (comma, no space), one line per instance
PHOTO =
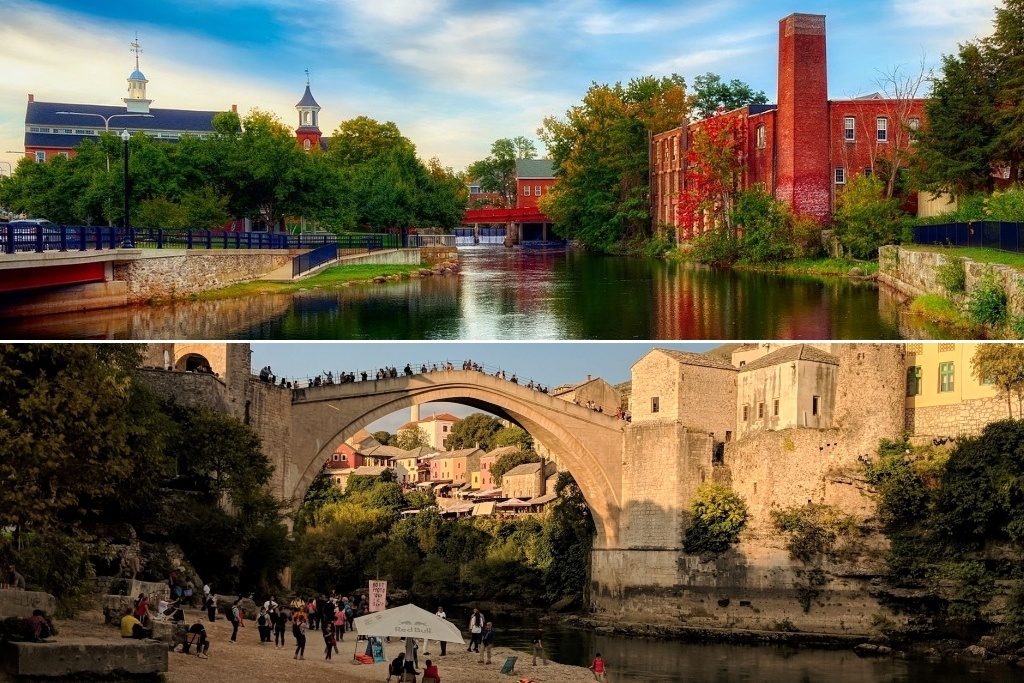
812,266
942,311
334,276
979,254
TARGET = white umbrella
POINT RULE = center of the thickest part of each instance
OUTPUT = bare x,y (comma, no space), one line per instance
408,621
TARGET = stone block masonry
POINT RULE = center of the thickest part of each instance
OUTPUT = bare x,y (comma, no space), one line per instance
168,274
966,418
84,657
915,273
21,603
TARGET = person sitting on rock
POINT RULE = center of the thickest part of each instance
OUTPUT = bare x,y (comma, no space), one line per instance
37,626
197,635
131,627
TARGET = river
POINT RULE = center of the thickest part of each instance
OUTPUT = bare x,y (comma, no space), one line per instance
641,660
522,294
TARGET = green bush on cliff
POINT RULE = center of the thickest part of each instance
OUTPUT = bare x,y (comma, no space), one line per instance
987,305
813,531
717,516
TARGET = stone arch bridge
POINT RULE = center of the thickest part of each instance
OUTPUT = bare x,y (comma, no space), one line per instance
587,443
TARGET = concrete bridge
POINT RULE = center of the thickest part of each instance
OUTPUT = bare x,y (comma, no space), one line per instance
587,443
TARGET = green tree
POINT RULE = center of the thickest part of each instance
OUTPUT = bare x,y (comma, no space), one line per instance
497,172
600,153
506,462
1005,51
1003,366
710,94
475,430
68,445
411,438
717,516
954,151
322,491
512,436
865,219
383,438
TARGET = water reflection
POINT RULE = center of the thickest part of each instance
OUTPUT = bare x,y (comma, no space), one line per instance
636,660
523,294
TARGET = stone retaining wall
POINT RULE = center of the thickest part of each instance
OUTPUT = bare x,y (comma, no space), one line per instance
21,603
166,274
966,418
915,273
84,656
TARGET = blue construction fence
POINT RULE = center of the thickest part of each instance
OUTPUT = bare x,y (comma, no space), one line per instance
1002,235
97,238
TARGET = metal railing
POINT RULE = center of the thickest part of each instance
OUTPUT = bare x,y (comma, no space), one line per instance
97,238
310,260
430,241
1001,235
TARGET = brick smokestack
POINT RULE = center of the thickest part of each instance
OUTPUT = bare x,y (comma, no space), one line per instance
804,173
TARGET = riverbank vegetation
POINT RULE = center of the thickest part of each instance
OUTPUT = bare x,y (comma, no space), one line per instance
100,475
955,521
368,179
335,276
344,539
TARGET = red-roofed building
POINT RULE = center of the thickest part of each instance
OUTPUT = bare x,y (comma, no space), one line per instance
436,427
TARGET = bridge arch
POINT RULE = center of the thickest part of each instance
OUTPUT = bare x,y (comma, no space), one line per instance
586,443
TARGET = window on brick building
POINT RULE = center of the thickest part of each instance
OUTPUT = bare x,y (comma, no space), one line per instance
849,129
536,190
762,136
306,144
914,124
914,380
882,128
40,157
945,377
815,405
655,404
840,175
775,408
526,190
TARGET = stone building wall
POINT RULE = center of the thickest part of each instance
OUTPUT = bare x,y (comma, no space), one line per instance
914,273
965,418
268,410
189,388
171,274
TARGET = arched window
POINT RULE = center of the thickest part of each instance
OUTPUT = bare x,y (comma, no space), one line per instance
192,362
762,136
305,144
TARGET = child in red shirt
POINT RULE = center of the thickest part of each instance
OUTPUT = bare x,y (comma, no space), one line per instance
598,667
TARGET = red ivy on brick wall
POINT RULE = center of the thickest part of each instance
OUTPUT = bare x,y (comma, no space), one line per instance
714,171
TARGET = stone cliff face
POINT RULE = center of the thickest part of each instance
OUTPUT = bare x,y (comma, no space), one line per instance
755,585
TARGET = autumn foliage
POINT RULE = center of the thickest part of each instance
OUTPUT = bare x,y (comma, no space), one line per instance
714,168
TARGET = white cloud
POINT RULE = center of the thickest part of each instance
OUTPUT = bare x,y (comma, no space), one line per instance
646,19
974,14
700,61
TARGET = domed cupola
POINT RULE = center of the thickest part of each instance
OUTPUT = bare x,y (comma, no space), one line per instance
136,101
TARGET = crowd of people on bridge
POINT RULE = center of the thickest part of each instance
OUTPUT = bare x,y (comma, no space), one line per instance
388,372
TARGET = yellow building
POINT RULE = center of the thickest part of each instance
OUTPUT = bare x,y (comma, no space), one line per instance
944,398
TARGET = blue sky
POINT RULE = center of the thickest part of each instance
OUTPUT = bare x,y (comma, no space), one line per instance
550,364
453,74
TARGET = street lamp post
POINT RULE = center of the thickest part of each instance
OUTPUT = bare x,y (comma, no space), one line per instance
106,121
126,242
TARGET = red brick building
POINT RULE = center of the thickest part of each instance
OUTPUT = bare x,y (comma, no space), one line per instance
534,178
805,148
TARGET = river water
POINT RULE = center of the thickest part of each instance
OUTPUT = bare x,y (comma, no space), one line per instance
522,294
640,660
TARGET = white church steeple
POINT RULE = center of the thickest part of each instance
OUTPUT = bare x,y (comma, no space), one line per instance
136,101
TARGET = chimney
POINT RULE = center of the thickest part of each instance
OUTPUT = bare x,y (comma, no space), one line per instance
234,108
804,175
588,378
31,97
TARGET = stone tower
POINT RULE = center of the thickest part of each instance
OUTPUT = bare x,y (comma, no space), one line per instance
804,180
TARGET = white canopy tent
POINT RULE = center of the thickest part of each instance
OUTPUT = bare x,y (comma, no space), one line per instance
408,621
